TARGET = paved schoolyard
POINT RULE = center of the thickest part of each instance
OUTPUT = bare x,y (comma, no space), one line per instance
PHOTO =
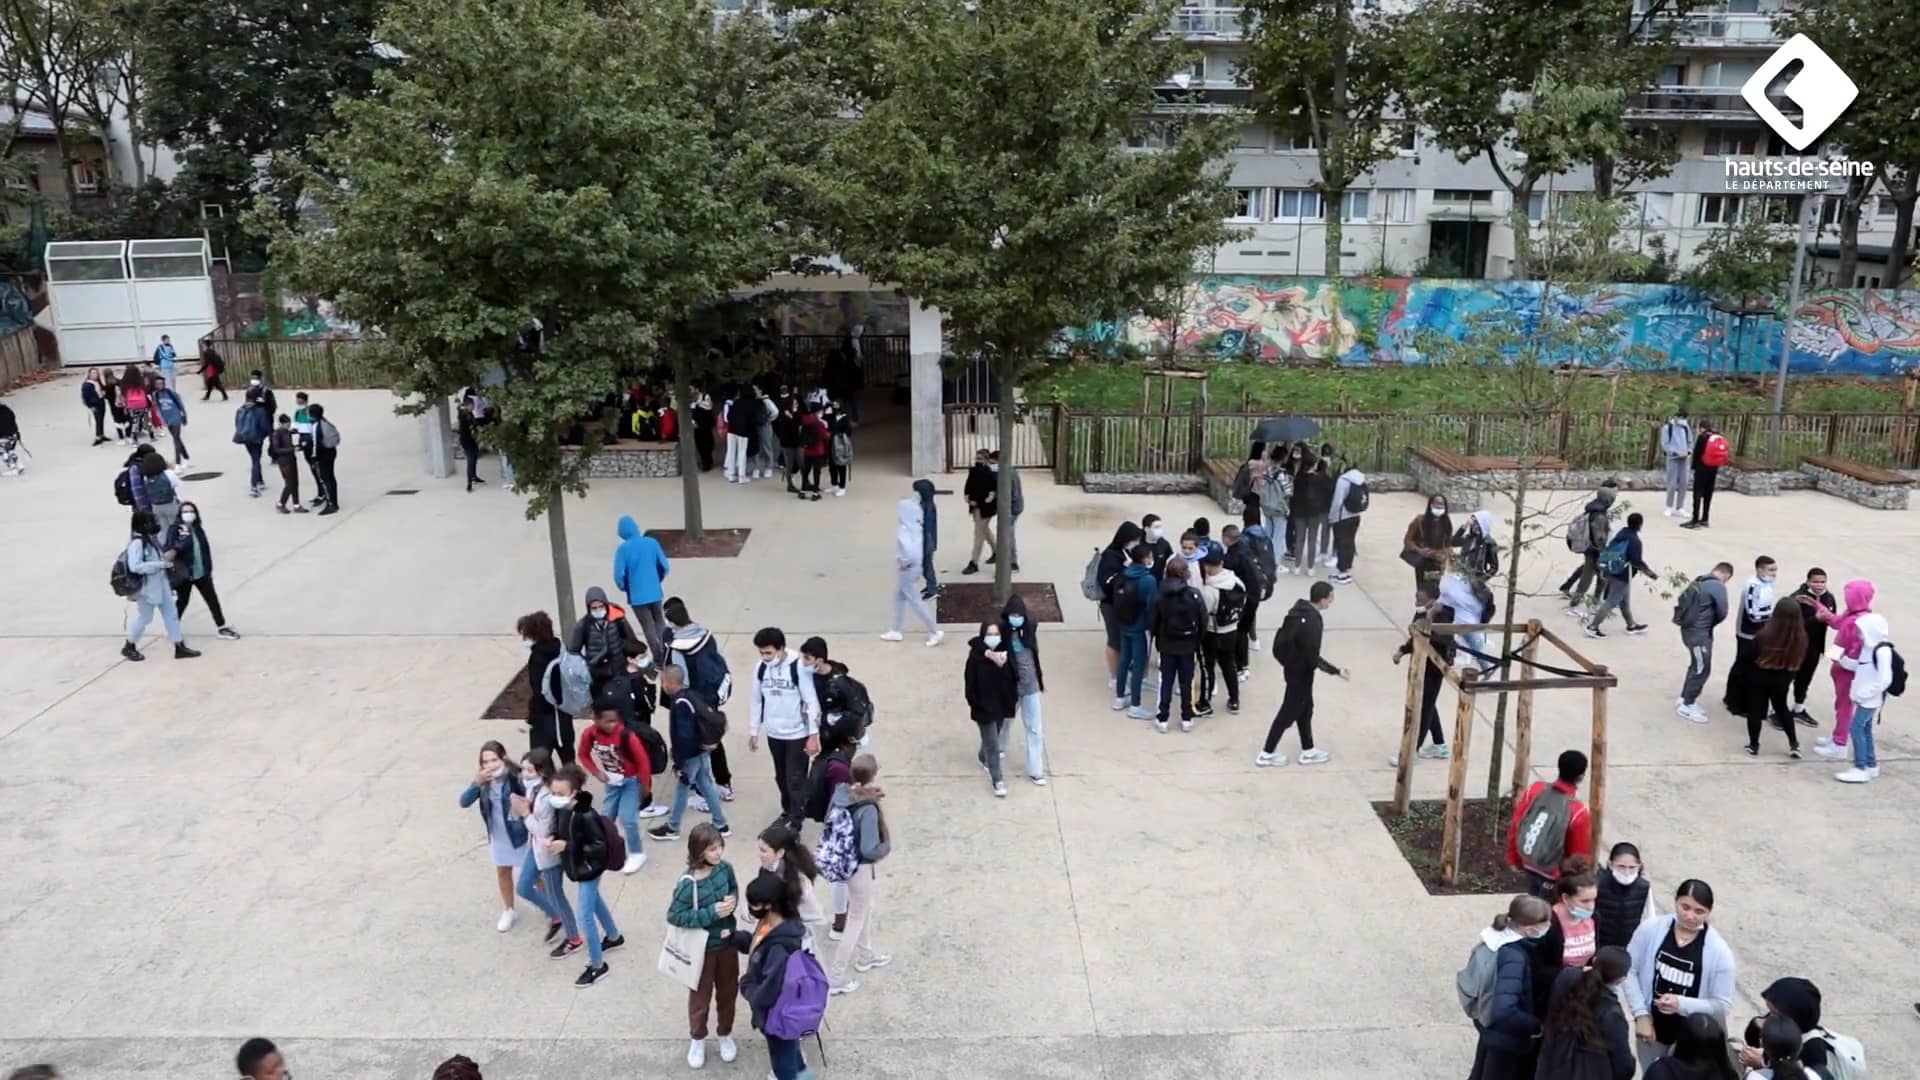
265,840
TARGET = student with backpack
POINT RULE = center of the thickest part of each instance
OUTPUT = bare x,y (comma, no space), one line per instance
1133,599
908,554
1029,682
1424,546
604,639
1351,498
840,695
1773,1051
703,669
1700,1053
1622,558
1587,536
549,726
173,416
252,423
1549,824
1258,552
1177,620
161,485
991,697
1296,645
704,899
1276,499
1858,595
1496,991
1226,603
613,754
1756,607
1681,967
1878,673
588,846
495,787
1313,492
695,727
1710,451
1676,446
1100,582
326,456
141,576
831,771
784,984
785,707
1584,1035
856,807
1700,608
1794,1003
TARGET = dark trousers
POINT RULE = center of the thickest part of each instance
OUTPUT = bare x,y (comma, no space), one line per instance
1176,671
470,449
1430,729
323,467
1588,573
100,421
1345,532
1703,482
313,467
1766,690
212,383
1217,666
620,689
183,592
179,447
722,772
1296,708
810,473
837,475
1243,639
254,479
790,776
289,482
554,732
703,447
1803,678
1743,649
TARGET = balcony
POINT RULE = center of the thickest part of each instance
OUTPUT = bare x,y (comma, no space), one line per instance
1207,23
1721,30
1696,103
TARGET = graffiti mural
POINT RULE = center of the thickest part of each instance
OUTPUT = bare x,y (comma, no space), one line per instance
1383,321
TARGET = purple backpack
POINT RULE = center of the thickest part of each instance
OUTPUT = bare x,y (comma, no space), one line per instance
803,999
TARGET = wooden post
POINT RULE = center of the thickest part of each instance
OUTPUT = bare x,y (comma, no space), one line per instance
1597,767
1473,434
1746,429
1523,715
1653,448
333,370
1833,433
1410,723
1566,433
1097,454
1457,778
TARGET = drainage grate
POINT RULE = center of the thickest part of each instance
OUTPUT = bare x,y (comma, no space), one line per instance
403,491
201,476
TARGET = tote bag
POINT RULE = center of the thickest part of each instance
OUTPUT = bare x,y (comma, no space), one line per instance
684,952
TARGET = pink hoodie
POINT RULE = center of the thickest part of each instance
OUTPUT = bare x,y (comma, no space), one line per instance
1858,594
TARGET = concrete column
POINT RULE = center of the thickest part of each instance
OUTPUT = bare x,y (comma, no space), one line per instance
436,440
929,425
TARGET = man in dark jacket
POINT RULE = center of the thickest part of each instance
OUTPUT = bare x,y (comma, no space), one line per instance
692,756
1814,598
1622,559
1177,622
1599,529
929,536
1113,563
1296,645
1256,578
605,641
982,491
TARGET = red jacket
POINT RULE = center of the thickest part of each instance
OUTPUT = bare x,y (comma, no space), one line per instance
816,435
1579,839
597,751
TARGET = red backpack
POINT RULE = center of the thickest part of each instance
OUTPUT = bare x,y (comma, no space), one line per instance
1715,453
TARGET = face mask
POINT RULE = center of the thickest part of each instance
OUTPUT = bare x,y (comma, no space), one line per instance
1626,877
1536,933
559,802
991,467
253,382
1016,621
497,771
991,641
1295,455
189,517
528,779
1580,912
1816,590
526,645
1153,534
1189,553
1437,511
598,613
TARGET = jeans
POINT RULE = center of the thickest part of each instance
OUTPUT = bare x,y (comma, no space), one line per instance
506,470
144,616
1478,643
541,898
595,920
170,372
1619,595
1345,531
906,595
1133,666
696,774
1699,666
1677,483
1862,737
1276,525
790,776
993,742
1030,718
179,448
1176,670
784,1058
254,479
622,803
735,465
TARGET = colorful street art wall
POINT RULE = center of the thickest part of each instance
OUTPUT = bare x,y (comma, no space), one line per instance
1384,320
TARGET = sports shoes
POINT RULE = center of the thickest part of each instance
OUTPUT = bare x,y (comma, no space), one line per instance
1575,611
1342,579
1000,789
654,810
847,987
127,650
553,930
699,803
1637,628
1695,714
1186,725
872,962
1204,709
1593,631
970,568
1038,781
936,638
231,634
1119,704
181,652
591,976
839,927
891,635
729,1050
1434,752
1800,714
1233,706
1753,749
724,830
664,832
1666,511
1266,760
1315,757
1138,713
1833,752
1854,776
634,862
507,919
566,948
697,1054
1160,726
609,944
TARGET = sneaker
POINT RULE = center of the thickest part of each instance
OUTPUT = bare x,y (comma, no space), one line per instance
281,508
302,510
591,976
730,1050
1833,752
847,987
331,509
839,492
1186,725
654,810
1138,713
1434,752
1793,752
131,653
726,793
936,638
612,943
970,568
1327,560
1000,789
1038,781
993,558
1666,511
231,635
664,832
1593,631
181,652
1854,776
1315,757
1119,704
1204,709
1696,714
1753,750
553,931
1637,628
506,921
566,948
839,927
1873,771
891,635
724,830
1266,760
1801,716
1824,740
635,861
1393,760
1233,706
1112,685
1575,611
872,962
696,1053
1342,579
1160,726
699,803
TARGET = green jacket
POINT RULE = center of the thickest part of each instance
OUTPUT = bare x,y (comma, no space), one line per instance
718,886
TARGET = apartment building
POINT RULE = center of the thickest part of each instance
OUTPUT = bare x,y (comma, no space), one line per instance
1424,211
81,183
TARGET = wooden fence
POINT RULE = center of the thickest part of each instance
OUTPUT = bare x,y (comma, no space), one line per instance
330,363
19,354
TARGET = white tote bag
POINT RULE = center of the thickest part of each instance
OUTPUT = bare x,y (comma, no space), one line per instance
684,952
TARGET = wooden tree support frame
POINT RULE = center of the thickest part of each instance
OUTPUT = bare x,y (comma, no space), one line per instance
1596,680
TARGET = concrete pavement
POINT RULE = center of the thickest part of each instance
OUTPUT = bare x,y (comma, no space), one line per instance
266,841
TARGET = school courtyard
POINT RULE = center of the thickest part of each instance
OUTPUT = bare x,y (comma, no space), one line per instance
265,841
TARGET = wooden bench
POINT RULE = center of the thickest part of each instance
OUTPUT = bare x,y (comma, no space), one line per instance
1218,473
1867,485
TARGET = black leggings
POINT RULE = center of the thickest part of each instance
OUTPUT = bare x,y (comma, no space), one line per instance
1703,481
1808,668
183,592
810,474
838,475
1766,690
100,421
1430,729
555,732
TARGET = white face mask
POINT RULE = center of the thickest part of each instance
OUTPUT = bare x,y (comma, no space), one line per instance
1626,877
253,382
525,645
1437,511
1153,534
1537,933
991,641
598,613
189,517
528,779
559,802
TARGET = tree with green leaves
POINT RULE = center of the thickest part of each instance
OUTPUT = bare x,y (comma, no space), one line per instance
504,179
1318,68
990,178
1747,264
51,55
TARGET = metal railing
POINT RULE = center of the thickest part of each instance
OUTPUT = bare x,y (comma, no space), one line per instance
1699,101
972,428
1717,28
1208,23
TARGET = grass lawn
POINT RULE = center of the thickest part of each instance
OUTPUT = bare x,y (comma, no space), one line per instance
1285,389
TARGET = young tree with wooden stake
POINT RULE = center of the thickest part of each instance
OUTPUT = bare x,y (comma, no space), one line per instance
990,178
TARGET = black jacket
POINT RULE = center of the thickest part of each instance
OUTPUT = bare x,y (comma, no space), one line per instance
744,416
1240,559
766,970
982,489
1301,632
1177,596
1514,1022
541,657
991,693
1618,910
1566,1056
585,858
1315,493
603,642
1113,558
1028,633
1816,630
840,693
1162,551
182,542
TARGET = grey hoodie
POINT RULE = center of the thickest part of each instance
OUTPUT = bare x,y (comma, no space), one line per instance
866,824
1676,437
1699,631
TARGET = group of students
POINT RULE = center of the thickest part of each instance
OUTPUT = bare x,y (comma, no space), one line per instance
1310,503
769,427
141,402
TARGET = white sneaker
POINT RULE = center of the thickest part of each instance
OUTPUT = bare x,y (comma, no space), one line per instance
1824,740
1854,776
873,961
936,638
696,1053
1113,684
839,492
1139,713
1697,714
1873,771
654,810
1265,760
729,1050
1833,752
1434,752
1119,703
1667,512
634,863
1575,612
891,635
507,919
1186,725
847,987
1393,760
1038,781
1314,757
1000,790
699,803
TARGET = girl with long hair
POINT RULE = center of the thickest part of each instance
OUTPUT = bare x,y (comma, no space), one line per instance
1426,543
539,883
704,898
1585,1036
1778,650
783,854
1509,1045
494,788
1682,970
1700,1053
872,843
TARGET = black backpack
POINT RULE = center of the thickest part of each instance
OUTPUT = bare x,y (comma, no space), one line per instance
1185,611
852,697
1358,498
1264,561
711,721
657,756
123,489
1283,639
1128,601
1897,684
819,794
1229,607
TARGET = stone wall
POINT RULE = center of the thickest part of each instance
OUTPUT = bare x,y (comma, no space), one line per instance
635,461
1870,495
1464,490
1766,481
1143,483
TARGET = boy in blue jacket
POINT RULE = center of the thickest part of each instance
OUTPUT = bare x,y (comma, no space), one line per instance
639,566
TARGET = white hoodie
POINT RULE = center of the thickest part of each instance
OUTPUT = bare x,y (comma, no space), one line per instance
783,707
1348,480
1873,671
907,539
1223,580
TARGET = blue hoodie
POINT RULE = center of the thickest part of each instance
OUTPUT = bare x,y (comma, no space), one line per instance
1140,577
639,566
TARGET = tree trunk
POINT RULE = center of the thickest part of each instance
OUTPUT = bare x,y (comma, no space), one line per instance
1603,177
1900,251
1332,203
1850,205
1522,229
689,457
1515,544
1003,497
66,167
562,561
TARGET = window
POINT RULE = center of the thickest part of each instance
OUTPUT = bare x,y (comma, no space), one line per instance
1249,203
85,180
1252,137
1719,209
1866,281
1460,196
1356,205
1656,208
1728,72
1296,204
1671,75
1152,136
1395,205
1409,142
1734,142
1830,210
1537,205
1886,207
1295,143
22,183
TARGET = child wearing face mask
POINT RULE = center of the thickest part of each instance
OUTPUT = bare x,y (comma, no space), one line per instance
1621,898
1509,1043
1424,547
539,883
494,787
193,568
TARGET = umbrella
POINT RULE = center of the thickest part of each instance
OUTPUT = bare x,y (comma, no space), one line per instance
1285,429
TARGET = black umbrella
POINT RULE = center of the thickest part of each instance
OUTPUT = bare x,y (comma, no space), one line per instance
1286,429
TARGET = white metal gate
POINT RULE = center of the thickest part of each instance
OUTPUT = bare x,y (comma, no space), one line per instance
111,300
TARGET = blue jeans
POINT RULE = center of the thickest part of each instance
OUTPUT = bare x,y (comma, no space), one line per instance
1133,666
1478,643
696,774
254,478
1860,735
622,803
506,470
1030,718
169,617
784,1057
549,899
594,910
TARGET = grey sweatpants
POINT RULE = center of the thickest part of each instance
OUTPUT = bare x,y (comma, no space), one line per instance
906,595
1699,665
1677,483
1619,595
